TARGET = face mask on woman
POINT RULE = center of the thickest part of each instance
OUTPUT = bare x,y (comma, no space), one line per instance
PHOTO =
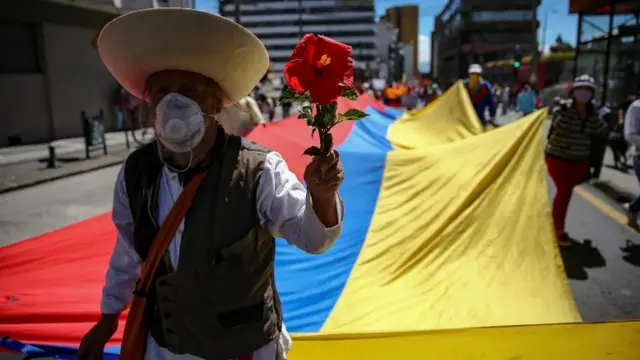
180,124
582,95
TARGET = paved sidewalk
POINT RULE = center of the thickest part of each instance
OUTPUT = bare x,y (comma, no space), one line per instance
622,187
65,148
29,173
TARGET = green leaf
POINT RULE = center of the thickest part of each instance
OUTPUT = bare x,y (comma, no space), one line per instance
329,119
313,151
313,131
352,114
318,120
289,96
349,93
326,141
305,113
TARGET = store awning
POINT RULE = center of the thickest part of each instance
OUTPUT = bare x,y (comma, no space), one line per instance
593,7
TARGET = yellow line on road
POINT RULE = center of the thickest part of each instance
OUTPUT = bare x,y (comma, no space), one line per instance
616,214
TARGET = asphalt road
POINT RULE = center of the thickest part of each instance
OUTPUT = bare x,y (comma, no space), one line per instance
604,284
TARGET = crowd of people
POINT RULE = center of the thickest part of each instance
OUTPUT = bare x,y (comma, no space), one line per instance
580,132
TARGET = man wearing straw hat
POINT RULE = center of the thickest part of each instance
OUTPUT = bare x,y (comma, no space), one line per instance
197,211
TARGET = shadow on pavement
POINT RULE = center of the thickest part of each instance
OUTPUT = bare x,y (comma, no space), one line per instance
580,256
67,159
614,193
625,169
631,253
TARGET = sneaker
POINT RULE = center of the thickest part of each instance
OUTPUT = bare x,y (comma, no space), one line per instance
564,240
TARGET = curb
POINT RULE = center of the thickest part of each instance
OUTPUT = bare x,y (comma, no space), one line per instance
29,184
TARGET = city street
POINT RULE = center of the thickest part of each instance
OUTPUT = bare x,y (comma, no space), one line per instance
605,285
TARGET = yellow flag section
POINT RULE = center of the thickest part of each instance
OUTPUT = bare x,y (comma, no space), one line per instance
448,119
460,253
588,341
461,238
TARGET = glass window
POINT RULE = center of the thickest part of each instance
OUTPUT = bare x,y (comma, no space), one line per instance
624,69
509,15
450,10
594,27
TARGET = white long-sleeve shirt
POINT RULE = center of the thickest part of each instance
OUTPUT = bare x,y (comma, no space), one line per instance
284,209
632,125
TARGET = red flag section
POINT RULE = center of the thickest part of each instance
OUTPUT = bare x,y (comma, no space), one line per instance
291,136
50,285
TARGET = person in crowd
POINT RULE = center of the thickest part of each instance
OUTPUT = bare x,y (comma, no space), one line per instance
573,125
241,118
617,143
622,109
504,99
118,101
197,211
632,135
410,98
481,96
526,100
286,107
599,145
392,95
267,106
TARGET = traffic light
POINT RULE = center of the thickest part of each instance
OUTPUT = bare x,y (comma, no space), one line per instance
516,64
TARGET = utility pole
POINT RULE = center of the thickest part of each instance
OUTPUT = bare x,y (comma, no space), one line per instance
535,55
544,32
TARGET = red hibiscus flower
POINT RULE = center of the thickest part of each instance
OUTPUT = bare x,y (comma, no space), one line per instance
319,65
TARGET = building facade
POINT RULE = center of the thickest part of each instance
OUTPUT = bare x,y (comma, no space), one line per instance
50,70
609,47
144,4
281,23
406,20
386,36
477,31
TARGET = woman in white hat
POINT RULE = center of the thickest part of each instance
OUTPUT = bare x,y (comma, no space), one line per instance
574,123
213,294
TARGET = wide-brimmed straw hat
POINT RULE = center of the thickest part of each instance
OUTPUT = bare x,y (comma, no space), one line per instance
141,43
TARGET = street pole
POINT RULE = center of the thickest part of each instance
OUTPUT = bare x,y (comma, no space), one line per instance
544,32
535,55
237,9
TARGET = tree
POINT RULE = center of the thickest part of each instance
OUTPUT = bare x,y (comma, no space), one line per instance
560,45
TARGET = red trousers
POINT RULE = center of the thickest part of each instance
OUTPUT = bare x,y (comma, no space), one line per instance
566,175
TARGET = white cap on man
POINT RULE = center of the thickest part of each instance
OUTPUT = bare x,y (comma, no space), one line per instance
475,69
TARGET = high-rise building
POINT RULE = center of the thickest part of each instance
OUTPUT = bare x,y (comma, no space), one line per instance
479,31
143,4
405,19
281,23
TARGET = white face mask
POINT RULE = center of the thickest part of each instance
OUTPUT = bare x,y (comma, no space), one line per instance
179,123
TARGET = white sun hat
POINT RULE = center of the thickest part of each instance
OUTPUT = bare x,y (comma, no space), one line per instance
475,69
584,81
141,43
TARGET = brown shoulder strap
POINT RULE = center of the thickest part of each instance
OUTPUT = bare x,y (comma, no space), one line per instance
167,231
